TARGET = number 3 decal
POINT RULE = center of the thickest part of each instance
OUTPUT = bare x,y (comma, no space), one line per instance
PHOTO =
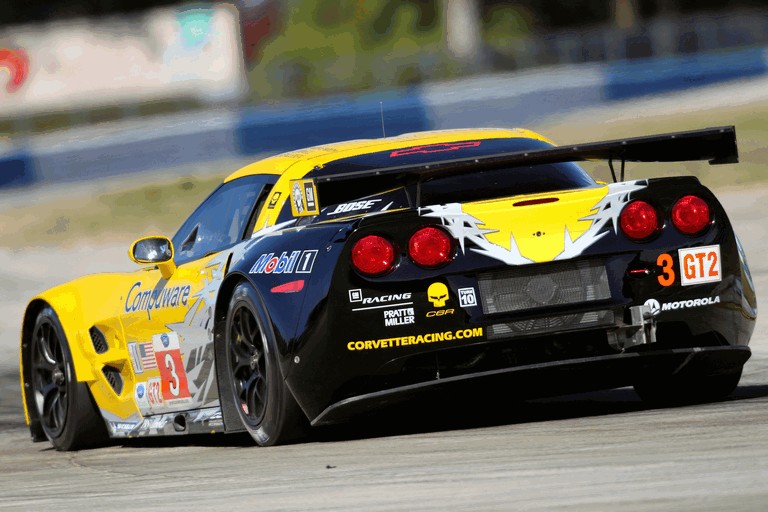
173,378
667,277
173,384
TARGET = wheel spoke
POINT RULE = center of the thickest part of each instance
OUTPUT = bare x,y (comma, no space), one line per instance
253,397
46,352
52,410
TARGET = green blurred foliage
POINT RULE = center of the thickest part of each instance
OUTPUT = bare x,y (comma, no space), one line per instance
333,46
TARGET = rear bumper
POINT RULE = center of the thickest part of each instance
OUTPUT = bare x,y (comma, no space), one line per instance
554,378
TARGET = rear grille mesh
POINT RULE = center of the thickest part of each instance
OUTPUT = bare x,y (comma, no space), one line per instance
549,324
536,286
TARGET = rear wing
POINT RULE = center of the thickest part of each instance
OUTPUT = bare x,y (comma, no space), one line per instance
717,145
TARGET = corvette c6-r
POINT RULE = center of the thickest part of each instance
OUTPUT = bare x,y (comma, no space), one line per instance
320,284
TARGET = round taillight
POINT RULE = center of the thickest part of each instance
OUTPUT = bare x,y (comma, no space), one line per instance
373,255
639,220
690,215
430,247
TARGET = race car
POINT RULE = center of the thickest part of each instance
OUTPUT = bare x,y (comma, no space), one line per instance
325,283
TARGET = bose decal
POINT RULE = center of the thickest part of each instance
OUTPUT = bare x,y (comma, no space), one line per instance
352,207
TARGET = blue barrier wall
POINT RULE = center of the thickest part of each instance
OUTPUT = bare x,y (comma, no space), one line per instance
494,100
16,169
299,125
656,76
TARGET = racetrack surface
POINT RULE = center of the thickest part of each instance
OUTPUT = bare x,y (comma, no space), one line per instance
599,451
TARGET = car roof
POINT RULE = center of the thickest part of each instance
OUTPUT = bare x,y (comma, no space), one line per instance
296,164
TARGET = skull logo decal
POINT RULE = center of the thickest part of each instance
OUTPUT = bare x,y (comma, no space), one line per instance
437,293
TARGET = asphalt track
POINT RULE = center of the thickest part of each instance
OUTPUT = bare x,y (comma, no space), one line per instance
591,452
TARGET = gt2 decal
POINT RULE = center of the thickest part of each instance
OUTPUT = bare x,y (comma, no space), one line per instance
699,265
404,341
147,300
467,228
299,261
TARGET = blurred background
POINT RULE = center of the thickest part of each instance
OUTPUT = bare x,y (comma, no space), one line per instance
92,89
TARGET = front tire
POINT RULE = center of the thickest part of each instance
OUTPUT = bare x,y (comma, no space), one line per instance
688,389
68,415
265,405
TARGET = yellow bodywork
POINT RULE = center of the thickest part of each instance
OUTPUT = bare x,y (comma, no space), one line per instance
107,300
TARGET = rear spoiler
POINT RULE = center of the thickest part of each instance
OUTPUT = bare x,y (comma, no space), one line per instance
717,145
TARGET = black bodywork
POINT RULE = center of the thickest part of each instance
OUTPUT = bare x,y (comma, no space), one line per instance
531,351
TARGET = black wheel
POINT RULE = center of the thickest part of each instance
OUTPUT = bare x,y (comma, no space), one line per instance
266,406
65,408
688,389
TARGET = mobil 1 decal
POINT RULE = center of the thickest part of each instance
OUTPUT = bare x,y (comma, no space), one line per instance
295,262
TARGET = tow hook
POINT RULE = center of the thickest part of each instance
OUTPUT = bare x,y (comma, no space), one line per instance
641,329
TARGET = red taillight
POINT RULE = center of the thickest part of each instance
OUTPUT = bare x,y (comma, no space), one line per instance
690,215
430,247
373,255
639,220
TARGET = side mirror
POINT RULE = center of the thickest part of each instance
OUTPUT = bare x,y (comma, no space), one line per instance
156,250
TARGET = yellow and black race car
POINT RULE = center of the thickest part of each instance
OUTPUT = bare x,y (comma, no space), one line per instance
320,284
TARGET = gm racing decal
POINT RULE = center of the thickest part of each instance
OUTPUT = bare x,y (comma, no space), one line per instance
379,301
299,261
404,341
657,307
493,234
147,300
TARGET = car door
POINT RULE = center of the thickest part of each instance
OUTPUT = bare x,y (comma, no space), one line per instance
168,322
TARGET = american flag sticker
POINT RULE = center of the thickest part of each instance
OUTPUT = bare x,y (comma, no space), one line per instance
135,359
147,354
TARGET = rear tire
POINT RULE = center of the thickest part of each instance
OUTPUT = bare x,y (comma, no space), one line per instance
256,386
67,413
689,389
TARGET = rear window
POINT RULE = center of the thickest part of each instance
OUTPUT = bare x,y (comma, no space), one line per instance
531,179
475,186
